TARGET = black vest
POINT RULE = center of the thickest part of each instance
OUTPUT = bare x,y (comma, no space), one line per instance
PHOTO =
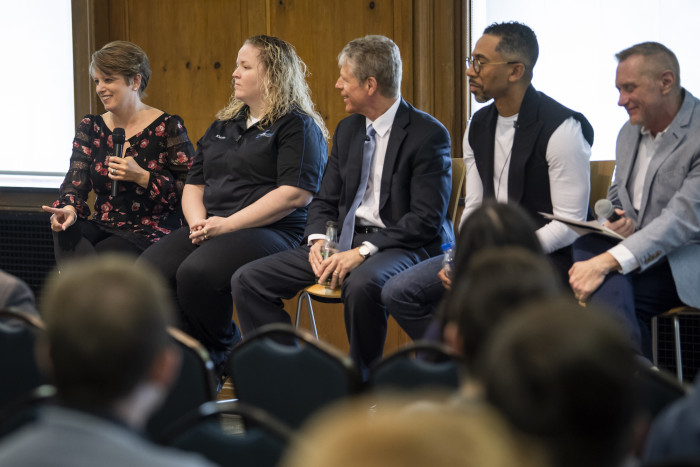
528,176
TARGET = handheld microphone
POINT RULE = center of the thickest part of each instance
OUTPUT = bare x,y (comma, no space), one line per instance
604,208
118,138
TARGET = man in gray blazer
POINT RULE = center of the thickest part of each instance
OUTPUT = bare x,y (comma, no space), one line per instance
656,192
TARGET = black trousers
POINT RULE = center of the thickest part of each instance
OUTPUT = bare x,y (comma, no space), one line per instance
259,287
201,276
86,238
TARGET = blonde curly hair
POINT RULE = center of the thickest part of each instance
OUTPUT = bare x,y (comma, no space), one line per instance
284,84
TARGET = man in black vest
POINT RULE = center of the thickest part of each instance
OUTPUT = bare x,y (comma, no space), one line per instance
523,148
526,147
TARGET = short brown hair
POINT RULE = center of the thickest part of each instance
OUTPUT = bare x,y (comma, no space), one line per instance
124,59
662,56
106,322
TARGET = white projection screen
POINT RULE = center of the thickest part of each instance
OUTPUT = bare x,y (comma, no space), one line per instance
36,93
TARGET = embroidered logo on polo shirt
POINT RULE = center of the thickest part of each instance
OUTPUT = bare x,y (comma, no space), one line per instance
220,137
265,134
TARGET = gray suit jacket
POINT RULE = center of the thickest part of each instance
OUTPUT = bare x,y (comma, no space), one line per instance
668,223
68,438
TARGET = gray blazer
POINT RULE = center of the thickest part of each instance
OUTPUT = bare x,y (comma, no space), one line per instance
69,438
668,223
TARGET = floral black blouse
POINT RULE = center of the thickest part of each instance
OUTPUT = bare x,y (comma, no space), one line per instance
140,215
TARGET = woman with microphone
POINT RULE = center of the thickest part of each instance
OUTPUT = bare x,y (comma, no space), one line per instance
148,175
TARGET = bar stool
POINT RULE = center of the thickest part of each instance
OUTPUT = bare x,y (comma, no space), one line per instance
675,314
319,293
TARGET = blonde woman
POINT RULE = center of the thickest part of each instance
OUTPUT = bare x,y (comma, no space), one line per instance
254,173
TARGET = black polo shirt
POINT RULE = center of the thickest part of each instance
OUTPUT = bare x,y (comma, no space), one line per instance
238,166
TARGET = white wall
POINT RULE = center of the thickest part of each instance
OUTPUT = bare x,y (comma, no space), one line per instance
578,41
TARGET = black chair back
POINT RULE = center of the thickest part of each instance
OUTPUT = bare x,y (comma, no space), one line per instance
201,432
25,409
292,376
420,365
193,387
19,373
657,389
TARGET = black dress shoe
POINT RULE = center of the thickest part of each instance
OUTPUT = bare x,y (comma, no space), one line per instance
221,359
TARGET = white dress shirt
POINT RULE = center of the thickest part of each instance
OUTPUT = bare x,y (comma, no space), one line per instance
648,145
367,213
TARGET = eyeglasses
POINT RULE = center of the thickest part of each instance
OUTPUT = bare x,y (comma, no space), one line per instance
477,64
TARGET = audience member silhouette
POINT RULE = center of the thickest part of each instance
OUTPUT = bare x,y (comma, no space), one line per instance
108,353
564,375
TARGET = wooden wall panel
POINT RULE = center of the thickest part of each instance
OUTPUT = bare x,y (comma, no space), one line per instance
438,57
318,33
403,35
192,47
83,18
206,35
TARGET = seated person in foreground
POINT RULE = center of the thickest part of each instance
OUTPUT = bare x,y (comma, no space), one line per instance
351,436
387,186
565,376
149,176
493,285
491,225
109,355
675,432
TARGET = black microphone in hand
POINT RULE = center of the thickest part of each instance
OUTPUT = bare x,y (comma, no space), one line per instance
604,208
118,138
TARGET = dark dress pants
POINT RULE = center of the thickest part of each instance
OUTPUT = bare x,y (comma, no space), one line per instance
631,299
259,287
413,297
86,238
201,277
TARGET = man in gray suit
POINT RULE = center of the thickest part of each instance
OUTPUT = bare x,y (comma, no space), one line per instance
108,352
656,192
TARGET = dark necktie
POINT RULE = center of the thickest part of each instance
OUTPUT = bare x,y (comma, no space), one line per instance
348,228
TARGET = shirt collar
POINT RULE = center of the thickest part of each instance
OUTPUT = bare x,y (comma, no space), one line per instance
384,122
646,132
